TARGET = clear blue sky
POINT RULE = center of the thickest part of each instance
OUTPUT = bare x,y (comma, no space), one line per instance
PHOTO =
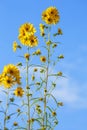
73,90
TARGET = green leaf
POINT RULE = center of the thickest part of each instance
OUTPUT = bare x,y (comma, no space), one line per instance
13,114
39,120
14,104
34,102
49,109
20,128
53,98
2,112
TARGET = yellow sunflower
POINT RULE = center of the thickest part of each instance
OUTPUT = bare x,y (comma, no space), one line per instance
51,15
26,56
15,45
38,52
43,59
8,82
44,15
42,26
1,79
53,113
15,124
19,92
12,71
60,31
29,40
33,41
26,31
24,39
27,27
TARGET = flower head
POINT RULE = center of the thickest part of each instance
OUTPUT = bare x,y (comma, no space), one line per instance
10,76
53,113
59,73
42,27
35,69
15,124
38,52
19,92
27,55
60,31
8,82
60,103
61,56
15,45
26,35
1,79
51,15
33,41
27,27
43,59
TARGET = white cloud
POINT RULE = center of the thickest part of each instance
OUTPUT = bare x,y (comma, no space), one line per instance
68,90
71,93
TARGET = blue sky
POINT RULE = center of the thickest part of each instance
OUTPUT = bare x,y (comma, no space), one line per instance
73,116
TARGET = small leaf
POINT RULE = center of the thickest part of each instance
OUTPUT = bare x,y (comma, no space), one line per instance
49,109
53,98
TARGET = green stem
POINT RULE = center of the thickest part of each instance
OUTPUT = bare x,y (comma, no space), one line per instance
7,105
28,92
45,88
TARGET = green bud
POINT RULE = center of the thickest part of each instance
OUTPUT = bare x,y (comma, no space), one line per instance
59,73
61,56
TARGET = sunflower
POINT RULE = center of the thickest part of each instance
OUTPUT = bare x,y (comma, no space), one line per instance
15,45
26,56
53,113
19,92
29,40
18,80
35,69
43,58
33,41
60,104
51,15
13,73
42,27
24,39
38,52
8,82
11,70
15,124
1,79
44,15
60,31
26,31
27,27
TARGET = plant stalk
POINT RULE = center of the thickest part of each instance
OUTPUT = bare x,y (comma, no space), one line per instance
28,92
7,105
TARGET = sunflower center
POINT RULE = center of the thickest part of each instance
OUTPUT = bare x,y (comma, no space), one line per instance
11,72
27,29
45,15
8,81
49,19
32,41
52,12
43,59
18,92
